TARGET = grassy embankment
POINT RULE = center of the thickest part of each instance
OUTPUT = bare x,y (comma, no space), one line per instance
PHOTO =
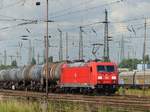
27,106
137,92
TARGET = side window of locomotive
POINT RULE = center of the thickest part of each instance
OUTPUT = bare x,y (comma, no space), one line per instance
110,68
100,68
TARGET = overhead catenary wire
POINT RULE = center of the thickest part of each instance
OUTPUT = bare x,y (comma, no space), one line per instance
66,9
112,2
129,20
110,22
9,18
79,25
125,30
20,24
83,10
73,27
84,25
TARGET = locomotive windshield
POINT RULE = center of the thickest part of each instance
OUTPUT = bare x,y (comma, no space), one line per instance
102,68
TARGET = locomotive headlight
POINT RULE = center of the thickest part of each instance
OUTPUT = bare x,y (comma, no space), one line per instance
113,78
100,77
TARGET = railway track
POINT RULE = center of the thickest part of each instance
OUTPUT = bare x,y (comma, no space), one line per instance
128,102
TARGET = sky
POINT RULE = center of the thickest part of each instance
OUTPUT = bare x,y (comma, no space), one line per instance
23,18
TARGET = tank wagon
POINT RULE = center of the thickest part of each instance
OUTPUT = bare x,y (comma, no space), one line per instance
135,79
69,77
30,77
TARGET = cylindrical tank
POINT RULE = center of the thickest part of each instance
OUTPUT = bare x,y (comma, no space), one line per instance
4,75
25,72
32,72
12,74
54,71
35,72
19,75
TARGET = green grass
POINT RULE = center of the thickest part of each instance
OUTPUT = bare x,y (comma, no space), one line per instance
137,92
53,106
15,106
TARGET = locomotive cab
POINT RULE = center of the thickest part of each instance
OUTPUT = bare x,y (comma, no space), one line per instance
107,76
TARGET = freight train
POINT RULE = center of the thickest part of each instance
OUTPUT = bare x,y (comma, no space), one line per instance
135,79
81,77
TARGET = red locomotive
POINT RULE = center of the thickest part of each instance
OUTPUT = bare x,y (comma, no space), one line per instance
99,76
